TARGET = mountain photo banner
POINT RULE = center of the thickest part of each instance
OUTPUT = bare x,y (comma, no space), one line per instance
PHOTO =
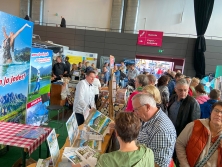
39,84
15,50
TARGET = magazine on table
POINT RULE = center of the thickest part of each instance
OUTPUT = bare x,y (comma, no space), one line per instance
53,147
85,156
72,128
31,133
42,163
98,122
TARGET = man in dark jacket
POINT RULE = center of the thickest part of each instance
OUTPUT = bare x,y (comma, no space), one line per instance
68,65
59,69
182,108
63,22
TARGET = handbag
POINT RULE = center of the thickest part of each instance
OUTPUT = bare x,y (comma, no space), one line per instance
211,151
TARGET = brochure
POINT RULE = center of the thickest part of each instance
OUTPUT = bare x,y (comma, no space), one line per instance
88,134
94,144
85,156
67,150
42,163
53,146
98,122
31,133
72,128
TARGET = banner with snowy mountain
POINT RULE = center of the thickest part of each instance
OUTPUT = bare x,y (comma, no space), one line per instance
39,85
15,49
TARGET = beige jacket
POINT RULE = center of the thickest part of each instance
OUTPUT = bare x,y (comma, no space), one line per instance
182,141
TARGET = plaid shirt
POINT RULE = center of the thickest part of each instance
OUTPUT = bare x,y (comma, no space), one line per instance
159,135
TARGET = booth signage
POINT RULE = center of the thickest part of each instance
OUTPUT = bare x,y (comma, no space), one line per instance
150,38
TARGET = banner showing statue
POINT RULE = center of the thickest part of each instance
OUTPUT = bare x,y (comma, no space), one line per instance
15,49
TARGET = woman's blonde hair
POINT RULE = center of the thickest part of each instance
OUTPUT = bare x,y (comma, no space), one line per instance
87,64
195,80
154,92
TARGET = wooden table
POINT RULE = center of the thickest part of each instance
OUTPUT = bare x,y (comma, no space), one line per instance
105,145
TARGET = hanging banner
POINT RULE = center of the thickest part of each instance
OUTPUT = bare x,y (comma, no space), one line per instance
75,57
15,49
150,38
39,84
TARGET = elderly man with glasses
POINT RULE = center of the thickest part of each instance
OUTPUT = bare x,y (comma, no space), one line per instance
157,131
182,108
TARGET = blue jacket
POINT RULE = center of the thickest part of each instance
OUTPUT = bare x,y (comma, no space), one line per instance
171,86
205,108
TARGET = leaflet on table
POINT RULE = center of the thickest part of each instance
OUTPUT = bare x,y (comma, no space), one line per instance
94,144
42,163
31,133
90,135
72,128
67,150
85,156
53,146
98,122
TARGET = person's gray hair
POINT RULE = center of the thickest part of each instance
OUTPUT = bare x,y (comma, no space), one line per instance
151,79
182,81
142,79
145,98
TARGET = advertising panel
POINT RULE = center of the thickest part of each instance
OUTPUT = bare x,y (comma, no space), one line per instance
76,57
39,84
15,49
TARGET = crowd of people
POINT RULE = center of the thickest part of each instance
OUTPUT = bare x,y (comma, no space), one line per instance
170,119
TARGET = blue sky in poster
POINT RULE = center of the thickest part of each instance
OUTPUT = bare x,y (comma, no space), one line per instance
13,24
37,64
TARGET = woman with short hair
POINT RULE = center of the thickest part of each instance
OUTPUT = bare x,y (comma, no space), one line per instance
127,127
200,143
140,82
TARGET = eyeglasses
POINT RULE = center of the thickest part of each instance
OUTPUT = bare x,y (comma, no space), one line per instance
136,109
217,111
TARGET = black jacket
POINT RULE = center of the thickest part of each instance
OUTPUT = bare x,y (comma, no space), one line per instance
189,111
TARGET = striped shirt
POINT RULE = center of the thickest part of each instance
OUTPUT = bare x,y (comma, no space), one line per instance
159,135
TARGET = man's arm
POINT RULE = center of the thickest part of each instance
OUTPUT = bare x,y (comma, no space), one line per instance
163,148
80,92
195,107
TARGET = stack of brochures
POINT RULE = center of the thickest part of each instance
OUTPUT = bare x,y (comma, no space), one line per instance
85,156
31,133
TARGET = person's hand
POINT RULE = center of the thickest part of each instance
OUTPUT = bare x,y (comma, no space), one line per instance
112,125
76,165
54,75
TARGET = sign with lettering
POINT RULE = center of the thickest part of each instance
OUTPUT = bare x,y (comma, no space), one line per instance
39,84
150,38
15,50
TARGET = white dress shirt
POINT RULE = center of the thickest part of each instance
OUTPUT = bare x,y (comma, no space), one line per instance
84,96
96,85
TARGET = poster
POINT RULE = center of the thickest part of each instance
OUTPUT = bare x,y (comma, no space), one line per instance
53,147
72,129
15,49
39,84
75,57
111,61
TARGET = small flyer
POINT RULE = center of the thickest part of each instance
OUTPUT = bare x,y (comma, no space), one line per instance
72,128
53,147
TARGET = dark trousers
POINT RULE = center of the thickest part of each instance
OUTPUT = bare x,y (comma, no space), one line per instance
96,98
79,118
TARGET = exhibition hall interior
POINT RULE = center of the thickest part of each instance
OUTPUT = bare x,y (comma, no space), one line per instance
110,83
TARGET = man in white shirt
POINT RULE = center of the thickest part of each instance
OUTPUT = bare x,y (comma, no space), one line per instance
97,85
84,96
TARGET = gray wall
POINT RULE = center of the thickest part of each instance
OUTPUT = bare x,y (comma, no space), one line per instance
124,45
